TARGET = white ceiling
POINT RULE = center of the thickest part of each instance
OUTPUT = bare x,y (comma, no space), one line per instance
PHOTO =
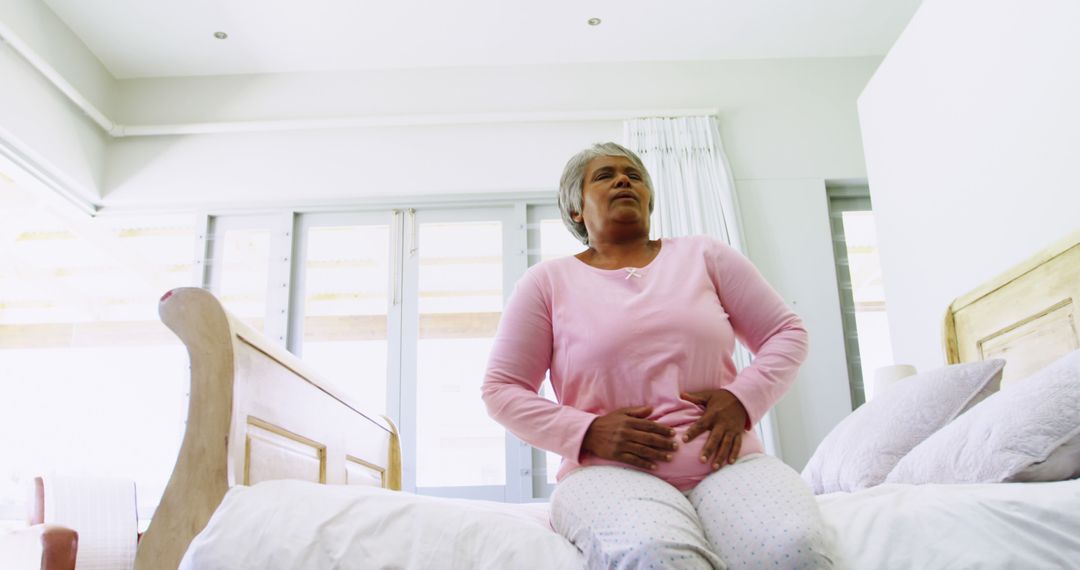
147,38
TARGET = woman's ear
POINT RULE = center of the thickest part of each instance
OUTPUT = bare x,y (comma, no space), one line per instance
576,217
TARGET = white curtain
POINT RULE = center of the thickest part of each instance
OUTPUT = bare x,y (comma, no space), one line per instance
694,194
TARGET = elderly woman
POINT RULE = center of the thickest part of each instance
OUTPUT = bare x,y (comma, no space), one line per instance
661,468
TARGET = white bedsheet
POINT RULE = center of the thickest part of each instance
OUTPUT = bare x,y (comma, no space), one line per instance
284,524
1005,525
295,525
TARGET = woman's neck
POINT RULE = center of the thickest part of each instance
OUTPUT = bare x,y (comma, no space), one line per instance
616,255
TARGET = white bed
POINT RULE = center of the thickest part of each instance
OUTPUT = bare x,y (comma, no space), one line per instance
258,414
289,524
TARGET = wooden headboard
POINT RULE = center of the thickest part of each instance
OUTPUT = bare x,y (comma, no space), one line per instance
1029,315
256,413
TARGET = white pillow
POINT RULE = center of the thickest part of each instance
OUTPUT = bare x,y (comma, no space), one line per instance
861,450
294,524
1030,431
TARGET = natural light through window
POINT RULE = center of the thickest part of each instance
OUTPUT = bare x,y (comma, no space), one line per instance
244,267
460,300
85,354
347,271
93,383
872,321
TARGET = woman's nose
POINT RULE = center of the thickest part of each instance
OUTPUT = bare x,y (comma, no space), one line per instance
622,180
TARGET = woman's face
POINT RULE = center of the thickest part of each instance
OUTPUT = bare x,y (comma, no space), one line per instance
615,200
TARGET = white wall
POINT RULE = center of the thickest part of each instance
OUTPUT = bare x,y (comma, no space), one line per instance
327,166
788,238
779,119
37,122
972,132
33,23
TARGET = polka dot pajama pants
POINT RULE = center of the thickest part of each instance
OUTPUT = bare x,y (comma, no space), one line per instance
756,513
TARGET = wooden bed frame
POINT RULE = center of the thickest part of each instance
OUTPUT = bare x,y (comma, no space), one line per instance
257,412
1027,315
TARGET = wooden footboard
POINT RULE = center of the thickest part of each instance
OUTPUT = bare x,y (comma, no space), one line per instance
256,413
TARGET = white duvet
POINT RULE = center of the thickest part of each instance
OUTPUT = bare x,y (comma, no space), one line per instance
290,525
1004,525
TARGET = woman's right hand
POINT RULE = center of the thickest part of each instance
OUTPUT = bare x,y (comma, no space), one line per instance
626,436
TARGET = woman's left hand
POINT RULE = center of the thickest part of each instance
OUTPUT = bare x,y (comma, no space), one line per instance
724,419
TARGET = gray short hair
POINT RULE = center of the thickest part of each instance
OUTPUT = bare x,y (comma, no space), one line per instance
573,180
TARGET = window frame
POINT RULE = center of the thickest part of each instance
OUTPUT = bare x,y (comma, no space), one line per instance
280,269
513,269
285,294
302,224
848,198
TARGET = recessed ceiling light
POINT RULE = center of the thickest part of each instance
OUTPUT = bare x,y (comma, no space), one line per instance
220,35
594,21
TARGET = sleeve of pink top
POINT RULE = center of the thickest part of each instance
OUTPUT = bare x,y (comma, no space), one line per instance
516,368
765,325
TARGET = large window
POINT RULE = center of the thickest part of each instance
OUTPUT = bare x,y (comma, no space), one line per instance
92,382
342,301
862,294
396,307
460,297
247,265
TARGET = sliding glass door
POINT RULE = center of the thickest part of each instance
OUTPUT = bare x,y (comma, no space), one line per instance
343,313
398,309
456,277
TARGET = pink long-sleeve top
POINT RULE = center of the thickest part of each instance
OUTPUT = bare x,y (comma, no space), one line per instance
620,338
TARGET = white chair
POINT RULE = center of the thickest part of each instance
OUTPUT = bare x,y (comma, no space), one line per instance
102,512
